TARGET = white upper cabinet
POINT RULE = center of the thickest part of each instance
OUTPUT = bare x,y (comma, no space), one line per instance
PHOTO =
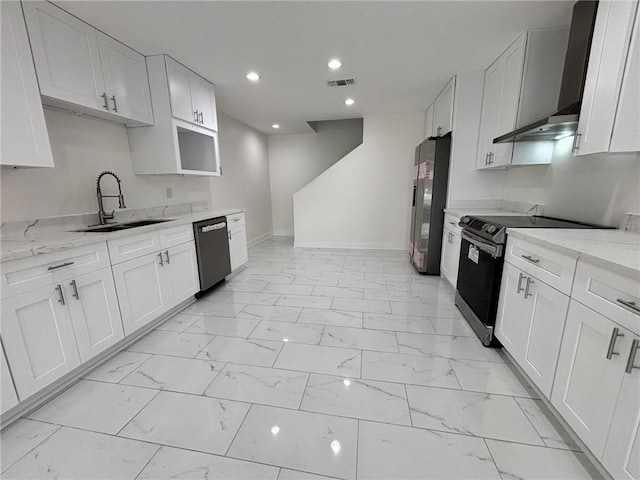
443,109
612,66
83,70
428,122
25,141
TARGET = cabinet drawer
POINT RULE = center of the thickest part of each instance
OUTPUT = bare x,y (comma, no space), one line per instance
451,222
553,268
26,274
615,296
127,248
235,220
175,235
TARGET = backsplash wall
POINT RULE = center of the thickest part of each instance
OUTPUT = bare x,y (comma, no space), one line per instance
595,188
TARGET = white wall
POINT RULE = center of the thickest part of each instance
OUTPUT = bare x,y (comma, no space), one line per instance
295,160
364,200
245,179
594,188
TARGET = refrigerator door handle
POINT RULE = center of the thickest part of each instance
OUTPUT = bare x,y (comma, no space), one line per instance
414,195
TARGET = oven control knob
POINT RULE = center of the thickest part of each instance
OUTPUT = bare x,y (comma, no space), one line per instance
492,229
465,220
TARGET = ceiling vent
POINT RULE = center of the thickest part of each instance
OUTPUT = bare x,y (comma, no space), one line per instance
341,83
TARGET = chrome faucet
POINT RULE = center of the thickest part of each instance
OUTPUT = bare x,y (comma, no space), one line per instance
101,213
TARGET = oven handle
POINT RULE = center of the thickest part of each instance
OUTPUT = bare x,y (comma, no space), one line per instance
494,250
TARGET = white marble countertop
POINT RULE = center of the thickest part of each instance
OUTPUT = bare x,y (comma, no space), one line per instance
615,250
26,239
459,212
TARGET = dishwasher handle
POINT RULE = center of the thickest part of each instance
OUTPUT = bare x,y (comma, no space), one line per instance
215,226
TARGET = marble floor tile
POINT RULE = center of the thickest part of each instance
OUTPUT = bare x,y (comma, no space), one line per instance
490,377
179,322
267,386
215,309
117,367
289,289
391,295
97,406
288,474
398,323
283,278
176,463
298,440
288,332
452,326
187,375
355,305
465,348
238,285
549,429
266,312
304,301
21,437
240,350
355,398
528,462
412,369
178,344
331,317
359,338
422,310
78,454
381,284
227,327
470,413
391,451
315,281
249,298
318,359
340,292
188,421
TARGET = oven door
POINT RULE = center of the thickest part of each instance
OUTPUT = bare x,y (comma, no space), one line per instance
479,276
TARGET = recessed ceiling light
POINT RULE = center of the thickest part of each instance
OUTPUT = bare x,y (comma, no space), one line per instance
334,64
253,76
275,125
349,101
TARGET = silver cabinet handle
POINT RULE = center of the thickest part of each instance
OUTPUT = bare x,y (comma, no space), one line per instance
195,116
576,143
166,254
115,105
615,333
521,277
452,223
530,258
60,294
486,158
201,118
629,304
65,264
635,345
106,104
527,286
75,289
490,158
161,262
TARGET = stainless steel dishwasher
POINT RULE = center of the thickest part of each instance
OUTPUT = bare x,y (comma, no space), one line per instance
212,249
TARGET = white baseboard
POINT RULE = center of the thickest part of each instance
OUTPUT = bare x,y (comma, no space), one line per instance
352,245
255,241
283,232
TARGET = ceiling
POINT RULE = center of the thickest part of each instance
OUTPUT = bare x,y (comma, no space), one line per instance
401,53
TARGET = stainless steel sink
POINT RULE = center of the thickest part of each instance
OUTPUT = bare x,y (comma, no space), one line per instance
114,227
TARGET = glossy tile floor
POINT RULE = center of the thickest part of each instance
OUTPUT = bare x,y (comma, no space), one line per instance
309,363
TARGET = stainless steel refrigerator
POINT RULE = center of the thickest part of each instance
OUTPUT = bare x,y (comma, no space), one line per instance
431,175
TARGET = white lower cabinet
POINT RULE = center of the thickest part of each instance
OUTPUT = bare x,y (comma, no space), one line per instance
182,270
38,337
238,254
450,256
8,395
95,315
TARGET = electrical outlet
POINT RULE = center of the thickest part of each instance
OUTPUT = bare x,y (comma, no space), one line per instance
169,192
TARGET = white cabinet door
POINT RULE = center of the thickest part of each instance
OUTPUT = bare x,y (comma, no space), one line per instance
609,47
95,314
626,128
587,383
493,80
126,80
182,272
512,311
238,247
38,338
203,101
8,395
180,91
443,109
622,452
65,51
429,121
25,140
144,290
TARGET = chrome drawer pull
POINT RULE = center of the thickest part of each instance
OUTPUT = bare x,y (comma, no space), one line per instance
612,343
530,258
66,264
60,294
635,345
75,289
161,262
166,253
526,288
629,304
521,277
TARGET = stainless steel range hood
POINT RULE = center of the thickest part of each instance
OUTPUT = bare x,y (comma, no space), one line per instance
564,122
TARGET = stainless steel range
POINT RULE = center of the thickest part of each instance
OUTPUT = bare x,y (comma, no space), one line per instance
481,262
